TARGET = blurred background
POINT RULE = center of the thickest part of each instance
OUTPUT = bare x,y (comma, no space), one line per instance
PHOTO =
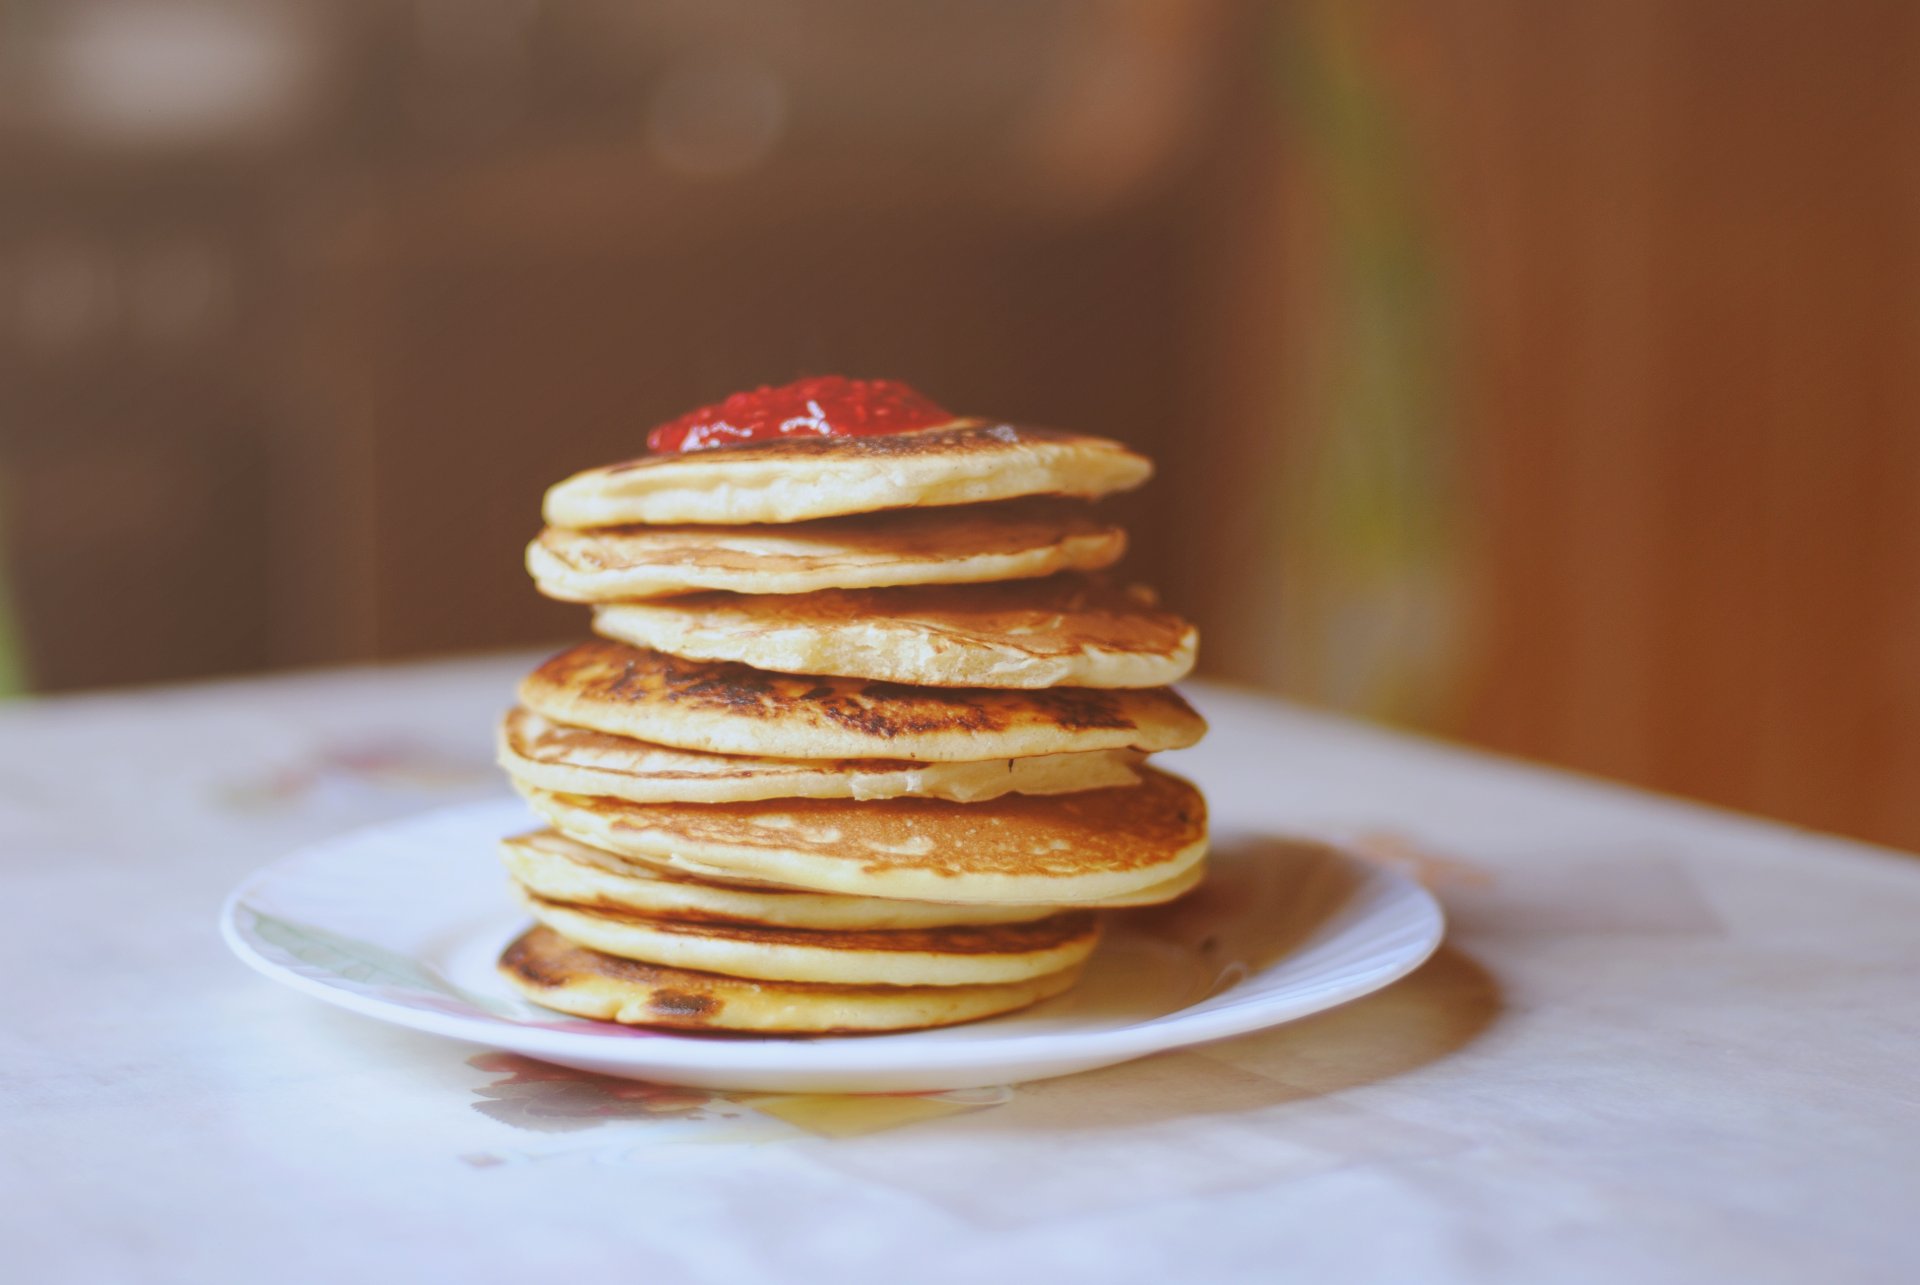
1545,376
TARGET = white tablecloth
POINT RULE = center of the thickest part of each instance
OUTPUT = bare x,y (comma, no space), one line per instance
1663,1044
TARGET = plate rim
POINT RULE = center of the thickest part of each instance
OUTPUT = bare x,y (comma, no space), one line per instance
823,1055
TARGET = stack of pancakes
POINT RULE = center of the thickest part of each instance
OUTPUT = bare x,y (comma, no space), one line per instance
861,746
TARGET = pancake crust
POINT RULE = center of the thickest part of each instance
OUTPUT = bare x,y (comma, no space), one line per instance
972,544
576,760
551,971
1060,850
967,955
595,877
554,867
731,709
795,479
1065,631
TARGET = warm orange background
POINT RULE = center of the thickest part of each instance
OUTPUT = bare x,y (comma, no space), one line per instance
1541,375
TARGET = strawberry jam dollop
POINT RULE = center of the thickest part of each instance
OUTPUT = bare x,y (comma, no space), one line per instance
824,406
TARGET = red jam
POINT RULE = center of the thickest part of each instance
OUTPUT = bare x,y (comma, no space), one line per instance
825,406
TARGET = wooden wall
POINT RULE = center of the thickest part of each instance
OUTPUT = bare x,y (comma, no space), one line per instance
1678,248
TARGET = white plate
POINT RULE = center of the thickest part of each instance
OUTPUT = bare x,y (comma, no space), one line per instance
403,922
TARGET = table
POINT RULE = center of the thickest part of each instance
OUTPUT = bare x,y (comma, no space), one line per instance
1663,1043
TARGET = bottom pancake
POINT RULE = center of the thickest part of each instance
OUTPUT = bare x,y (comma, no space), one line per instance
553,972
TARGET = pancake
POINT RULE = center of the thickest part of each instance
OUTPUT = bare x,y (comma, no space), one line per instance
1166,890
731,709
551,971
1152,895
576,760
969,955
793,479
556,868
1060,850
1064,631
972,544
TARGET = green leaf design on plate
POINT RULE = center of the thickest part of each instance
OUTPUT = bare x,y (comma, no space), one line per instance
361,961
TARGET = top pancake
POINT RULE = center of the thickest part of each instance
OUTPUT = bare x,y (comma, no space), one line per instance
1015,540
731,709
793,479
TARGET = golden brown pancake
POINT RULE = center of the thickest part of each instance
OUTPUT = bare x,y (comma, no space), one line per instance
731,709
964,955
1063,849
795,479
576,760
554,867
551,971
564,869
1064,631
974,543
